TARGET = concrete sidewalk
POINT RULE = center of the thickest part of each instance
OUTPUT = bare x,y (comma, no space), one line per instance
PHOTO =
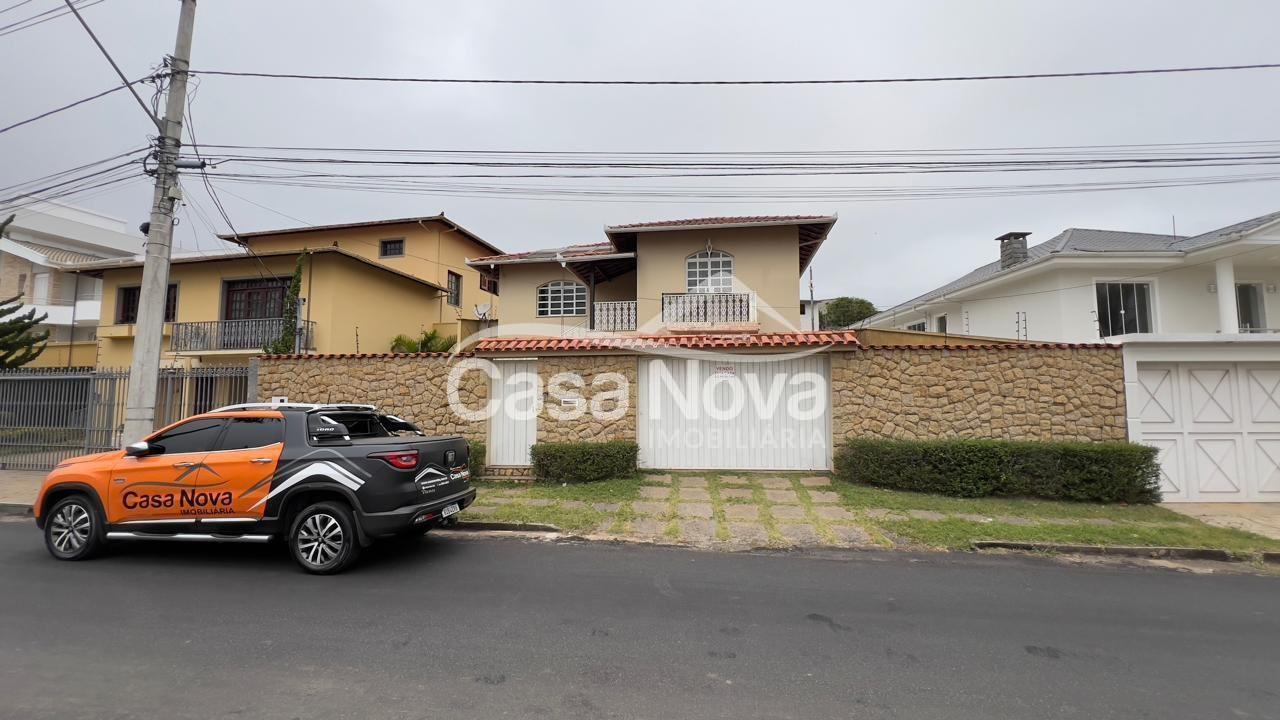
19,488
1258,518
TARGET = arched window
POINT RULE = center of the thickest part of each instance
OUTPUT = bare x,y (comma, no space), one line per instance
559,298
709,271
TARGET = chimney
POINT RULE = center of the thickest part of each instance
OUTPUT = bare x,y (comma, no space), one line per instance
1013,249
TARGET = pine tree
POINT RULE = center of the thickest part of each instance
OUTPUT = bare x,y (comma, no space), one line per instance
287,343
18,344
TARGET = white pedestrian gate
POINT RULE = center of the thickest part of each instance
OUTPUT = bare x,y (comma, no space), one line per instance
1216,425
513,429
733,413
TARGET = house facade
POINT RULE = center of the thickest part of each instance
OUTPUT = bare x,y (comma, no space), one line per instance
703,275
1198,318
1083,285
37,252
361,286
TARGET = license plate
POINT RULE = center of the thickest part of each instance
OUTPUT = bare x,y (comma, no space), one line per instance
450,510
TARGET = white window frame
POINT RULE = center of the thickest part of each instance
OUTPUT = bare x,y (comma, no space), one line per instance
918,326
1154,291
561,298
708,272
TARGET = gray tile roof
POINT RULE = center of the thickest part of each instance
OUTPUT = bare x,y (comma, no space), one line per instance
1225,233
1077,241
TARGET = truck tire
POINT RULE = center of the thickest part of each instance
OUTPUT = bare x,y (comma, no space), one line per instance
323,538
74,529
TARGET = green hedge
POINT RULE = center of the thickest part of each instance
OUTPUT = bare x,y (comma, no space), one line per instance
475,458
584,461
1082,471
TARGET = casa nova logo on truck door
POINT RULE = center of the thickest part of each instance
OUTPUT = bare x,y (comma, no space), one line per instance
188,500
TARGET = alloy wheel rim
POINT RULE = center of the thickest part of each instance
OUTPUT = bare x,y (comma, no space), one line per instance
71,526
320,539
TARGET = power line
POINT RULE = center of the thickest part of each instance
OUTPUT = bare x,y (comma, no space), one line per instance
68,171
41,18
213,195
70,105
125,82
946,152
848,81
438,185
15,6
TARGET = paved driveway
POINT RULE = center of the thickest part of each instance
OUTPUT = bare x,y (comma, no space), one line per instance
1260,518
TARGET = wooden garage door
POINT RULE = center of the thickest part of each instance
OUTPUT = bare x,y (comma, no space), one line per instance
1217,427
734,414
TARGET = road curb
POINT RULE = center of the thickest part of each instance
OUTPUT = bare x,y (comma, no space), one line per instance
1168,553
12,509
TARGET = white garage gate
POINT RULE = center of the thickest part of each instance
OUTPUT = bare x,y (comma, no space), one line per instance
735,413
1216,424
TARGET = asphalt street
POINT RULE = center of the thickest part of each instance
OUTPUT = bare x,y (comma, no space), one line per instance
451,627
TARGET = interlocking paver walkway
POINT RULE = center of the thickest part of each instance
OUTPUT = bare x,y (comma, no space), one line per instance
742,512
736,512
782,496
694,510
788,512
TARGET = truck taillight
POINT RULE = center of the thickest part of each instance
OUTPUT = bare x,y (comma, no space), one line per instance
398,459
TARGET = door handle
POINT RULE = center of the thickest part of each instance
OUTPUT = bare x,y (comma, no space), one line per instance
260,461
184,464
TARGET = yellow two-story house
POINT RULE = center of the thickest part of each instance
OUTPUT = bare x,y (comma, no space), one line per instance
362,284
703,275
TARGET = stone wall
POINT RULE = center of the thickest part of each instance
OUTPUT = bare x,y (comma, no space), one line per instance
411,386
1013,393
600,395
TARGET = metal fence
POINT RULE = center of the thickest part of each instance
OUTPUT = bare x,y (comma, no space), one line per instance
50,414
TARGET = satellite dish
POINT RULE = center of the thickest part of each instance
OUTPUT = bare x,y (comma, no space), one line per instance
482,311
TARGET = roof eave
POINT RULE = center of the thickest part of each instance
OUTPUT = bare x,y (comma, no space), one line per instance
623,229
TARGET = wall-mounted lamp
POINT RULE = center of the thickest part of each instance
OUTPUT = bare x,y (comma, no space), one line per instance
1213,287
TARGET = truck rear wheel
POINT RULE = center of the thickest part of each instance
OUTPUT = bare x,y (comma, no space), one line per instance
323,538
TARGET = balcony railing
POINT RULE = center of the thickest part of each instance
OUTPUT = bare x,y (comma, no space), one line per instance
614,316
237,335
708,308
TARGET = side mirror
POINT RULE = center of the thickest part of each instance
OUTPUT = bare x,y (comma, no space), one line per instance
142,449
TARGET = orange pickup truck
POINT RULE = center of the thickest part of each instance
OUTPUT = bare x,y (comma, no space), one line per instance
329,479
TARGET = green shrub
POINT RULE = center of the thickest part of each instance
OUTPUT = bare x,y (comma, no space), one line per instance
475,460
1081,471
584,461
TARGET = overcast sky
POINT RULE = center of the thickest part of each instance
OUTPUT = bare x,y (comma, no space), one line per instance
885,251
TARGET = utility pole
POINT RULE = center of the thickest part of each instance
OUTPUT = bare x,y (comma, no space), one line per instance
813,309
144,374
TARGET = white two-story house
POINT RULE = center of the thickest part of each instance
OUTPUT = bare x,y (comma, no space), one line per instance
1198,317
1083,285
44,241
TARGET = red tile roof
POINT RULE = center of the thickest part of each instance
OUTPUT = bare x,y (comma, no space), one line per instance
644,342
724,220
364,356
997,346
568,253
